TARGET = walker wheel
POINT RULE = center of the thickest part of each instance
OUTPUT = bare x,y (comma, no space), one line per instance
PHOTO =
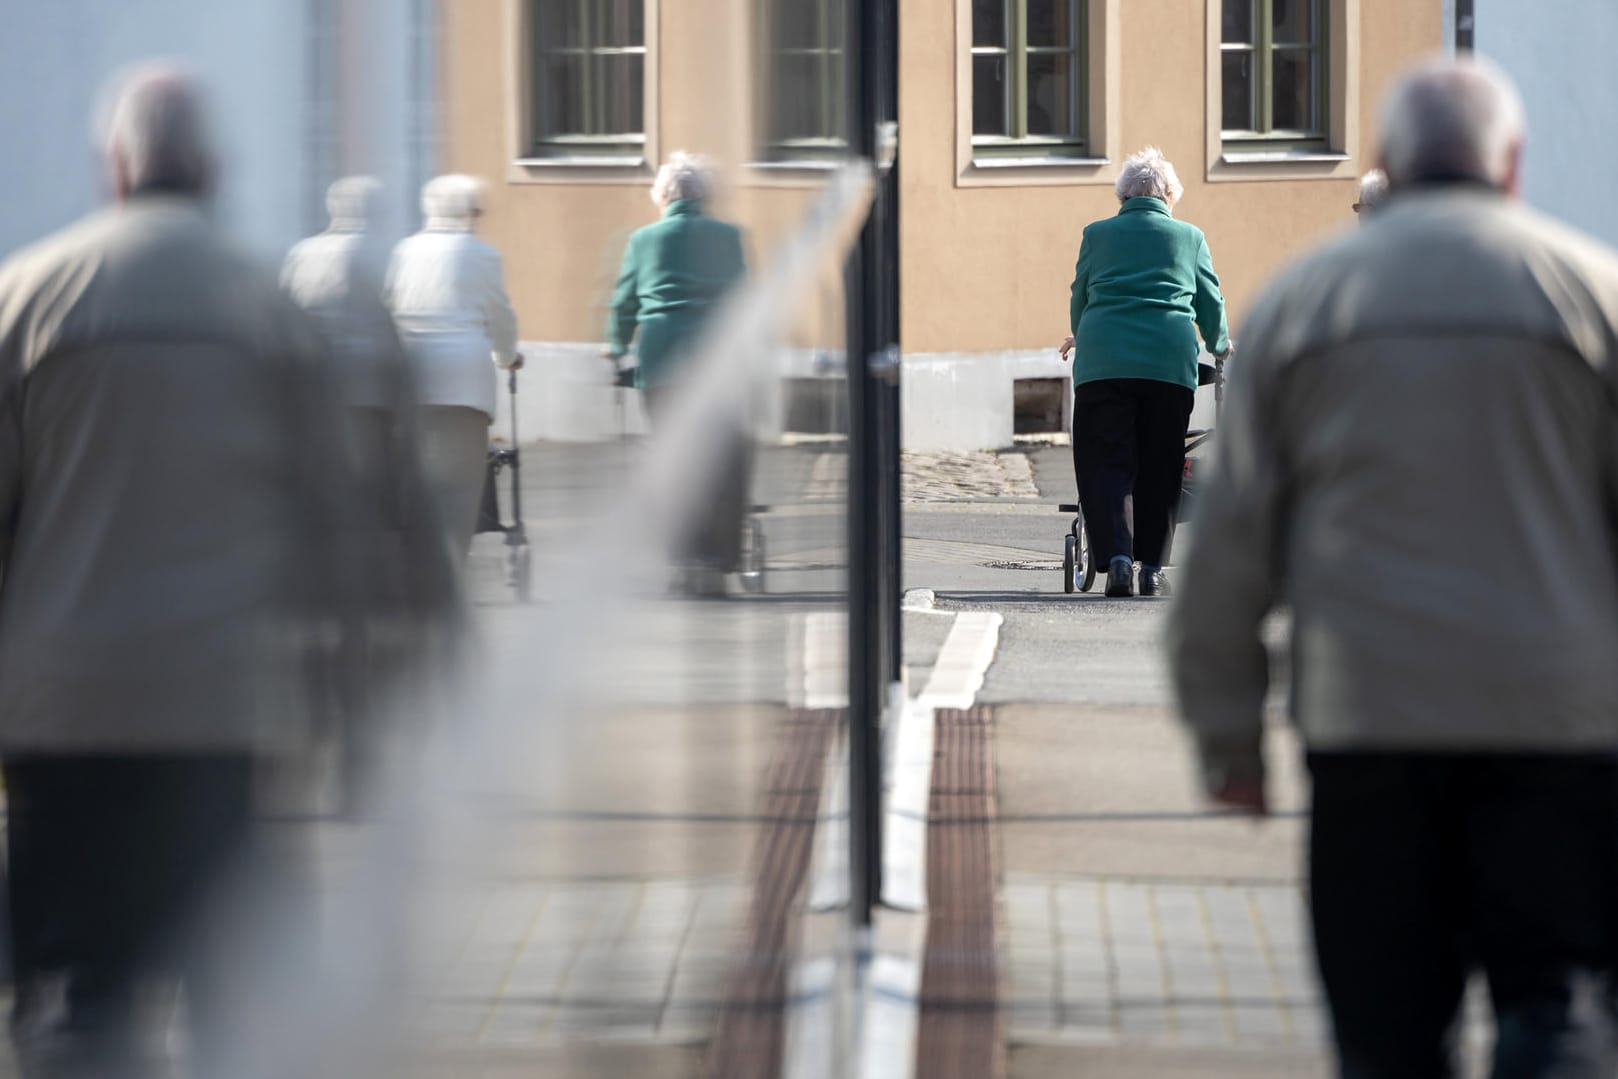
1070,547
1087,562
520,573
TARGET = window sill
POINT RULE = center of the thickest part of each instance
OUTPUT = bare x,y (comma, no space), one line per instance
579,169
1280,157
1259,165
1036,170
581,161
802,172
1040,161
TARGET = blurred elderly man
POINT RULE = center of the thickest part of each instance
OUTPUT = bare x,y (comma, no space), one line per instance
1418,457
1373,192
1143,289
167,528
447,290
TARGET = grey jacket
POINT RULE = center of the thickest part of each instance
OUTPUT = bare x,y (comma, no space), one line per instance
169,493
1417,457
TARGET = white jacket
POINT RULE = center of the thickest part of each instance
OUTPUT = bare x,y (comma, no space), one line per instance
447,292
337,278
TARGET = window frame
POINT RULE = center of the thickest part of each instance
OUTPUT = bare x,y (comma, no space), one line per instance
831,57
1266,137
1016,51
570,157
1338,157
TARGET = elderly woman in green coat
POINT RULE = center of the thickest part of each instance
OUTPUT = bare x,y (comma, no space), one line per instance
1143,289
674,273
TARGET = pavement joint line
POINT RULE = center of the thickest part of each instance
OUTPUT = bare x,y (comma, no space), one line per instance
1104,916
679,953
1171,1013
1221,975
511,965
1277,983
575,954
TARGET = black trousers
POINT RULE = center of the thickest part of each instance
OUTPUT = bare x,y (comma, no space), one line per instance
714,537
115,863
1424,868
1129,460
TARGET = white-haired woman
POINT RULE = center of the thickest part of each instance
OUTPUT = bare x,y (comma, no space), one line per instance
1143,289
674,273
447,291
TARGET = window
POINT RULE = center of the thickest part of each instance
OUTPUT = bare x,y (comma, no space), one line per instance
1029,78
588,79
1273,74
804,59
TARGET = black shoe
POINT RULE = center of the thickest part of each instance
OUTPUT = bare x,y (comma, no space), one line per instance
1154,582
1119,578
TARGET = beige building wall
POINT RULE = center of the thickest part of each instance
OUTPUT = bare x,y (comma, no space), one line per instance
986,258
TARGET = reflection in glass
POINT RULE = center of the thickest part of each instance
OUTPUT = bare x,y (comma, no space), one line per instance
1050,22
1236,22
560,82
797,97
558,24
623,94
623,23
1294,76
1294,21
1050,94
1237,92
989,112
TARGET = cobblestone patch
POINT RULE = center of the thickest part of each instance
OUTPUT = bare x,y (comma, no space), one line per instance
946,477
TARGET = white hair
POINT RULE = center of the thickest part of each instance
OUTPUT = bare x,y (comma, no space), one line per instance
1373,189
1451,120
683,176
452,201
353,201
1148,174
156,131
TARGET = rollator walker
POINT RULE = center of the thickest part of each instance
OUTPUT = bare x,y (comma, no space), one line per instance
519,563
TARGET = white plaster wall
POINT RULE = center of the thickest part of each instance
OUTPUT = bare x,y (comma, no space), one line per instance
956,401
1560,52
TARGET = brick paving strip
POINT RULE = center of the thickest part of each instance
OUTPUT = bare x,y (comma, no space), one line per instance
752,1019
960,1029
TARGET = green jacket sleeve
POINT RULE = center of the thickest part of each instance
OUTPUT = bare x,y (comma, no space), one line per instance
1081,288
1209,303
625,302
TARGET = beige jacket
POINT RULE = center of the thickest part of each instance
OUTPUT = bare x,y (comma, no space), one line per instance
1417,456
169,492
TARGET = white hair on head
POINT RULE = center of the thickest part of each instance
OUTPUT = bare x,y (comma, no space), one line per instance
683,176
1451,120
1148,174
1373,189
353,201
156,131
452,201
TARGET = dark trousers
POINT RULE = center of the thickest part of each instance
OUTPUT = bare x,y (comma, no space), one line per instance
1426,867
114,865
713,537
1129,459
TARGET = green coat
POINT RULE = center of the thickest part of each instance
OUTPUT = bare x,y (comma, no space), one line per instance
674,272
1143,288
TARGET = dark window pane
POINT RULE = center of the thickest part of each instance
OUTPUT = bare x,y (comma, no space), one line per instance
796,114
557,24
797,24
836,16
1294,74
622,23
1237,93
1050,94
622,94
1294,22
1237,22
989,22
561,106
1050,22
989,95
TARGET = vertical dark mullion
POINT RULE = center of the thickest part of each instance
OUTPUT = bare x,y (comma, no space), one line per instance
823,65
1079,69
1017,67
1264,66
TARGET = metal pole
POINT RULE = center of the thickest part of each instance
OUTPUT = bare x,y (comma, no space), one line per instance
872,308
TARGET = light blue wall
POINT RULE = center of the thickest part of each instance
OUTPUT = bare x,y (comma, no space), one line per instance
1563,55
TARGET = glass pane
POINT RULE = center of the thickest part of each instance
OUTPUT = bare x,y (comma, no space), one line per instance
622,94
1294,72
1237,94
989,98
1050,22
623,23
561,100
1050,95
796,114
989,22
1294,22
558,24
797,24
1237,22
